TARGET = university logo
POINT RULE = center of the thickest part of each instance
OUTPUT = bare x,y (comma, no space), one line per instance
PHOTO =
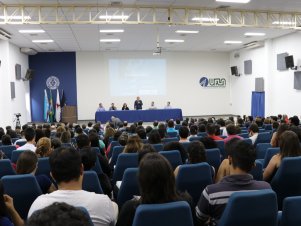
52,82
213,82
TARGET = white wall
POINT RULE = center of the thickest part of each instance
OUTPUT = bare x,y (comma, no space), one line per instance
9,56
281,97
184,71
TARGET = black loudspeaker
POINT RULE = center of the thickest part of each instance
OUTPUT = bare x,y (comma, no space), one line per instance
29,75
234,71
12,90
259,84
289,61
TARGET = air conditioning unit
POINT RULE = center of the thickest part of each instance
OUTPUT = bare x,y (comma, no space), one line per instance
253,45
28,51
4,35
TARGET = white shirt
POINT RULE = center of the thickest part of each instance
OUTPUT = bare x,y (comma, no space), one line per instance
254,138
102,210
27,146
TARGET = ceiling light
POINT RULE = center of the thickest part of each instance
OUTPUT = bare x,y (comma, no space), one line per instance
15,17
234,1
205,19
114,17
284,23
31,31
110,40
112,31
232,42
174,40
187,32
42,41
254,34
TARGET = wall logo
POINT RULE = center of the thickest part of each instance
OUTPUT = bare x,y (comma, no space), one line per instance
52,82
213,82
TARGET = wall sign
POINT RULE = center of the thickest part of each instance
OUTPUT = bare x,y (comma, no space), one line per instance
213,82
52,82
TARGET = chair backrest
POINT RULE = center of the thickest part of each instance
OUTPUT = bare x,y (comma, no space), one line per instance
172,134
185,145
43,166
129,186
193,178
86,213
91,182
21,143
174,157
244,135
96,149
171,139
7,150
213,156
14,139
248,140
269,154
6,168
267,127
263,137
97,168
15,155
221,146
24,189
290,212
256,172
203,134
195,138
286,181
124,161
117,150
158,147
173,213
67,145
113,144
261,149
238,209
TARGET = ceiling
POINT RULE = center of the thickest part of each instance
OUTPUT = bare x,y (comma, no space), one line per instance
85,37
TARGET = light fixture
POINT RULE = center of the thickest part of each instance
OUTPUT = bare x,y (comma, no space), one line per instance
112,31
15,17
254,34
187,32
234,1
205,19
174,40
42,41
232,42
113,17
110,40
31,31
284,23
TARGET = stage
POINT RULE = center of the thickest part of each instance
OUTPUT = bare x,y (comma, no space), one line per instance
140,115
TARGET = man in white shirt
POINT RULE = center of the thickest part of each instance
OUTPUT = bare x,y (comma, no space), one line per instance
253,132
67,171
152,107
168,106
100,107
30,136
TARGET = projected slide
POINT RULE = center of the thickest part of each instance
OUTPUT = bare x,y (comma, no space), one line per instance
133,77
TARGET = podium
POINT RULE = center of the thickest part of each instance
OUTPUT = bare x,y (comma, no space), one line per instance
69,114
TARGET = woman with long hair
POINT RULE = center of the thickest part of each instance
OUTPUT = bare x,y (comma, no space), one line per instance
43,147
134,144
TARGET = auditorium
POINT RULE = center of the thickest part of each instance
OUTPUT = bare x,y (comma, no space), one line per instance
150,112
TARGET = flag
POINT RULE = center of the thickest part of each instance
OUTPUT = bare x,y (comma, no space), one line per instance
63,100
50,107
46,106
58,107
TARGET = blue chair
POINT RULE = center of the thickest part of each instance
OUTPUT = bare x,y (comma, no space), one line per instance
213,157
129,186
237,211
173,213
6,168
221,146
268,155
24,189
97,168
172,134
0,143
67,145
158,147
262,130
173,157
256,172
248,140
86,213
202,134
7,150
15,155
185,145
21,143
113,144
244,135
13,140
267,127
117,150
195,138
261,149
193,178
43,166
95,149
124,161
290,215
286,181
264,137
91,182
171,139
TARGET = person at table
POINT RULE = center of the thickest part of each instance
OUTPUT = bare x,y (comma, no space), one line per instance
112,108
152,107
125,107
168,106
138,104
100,107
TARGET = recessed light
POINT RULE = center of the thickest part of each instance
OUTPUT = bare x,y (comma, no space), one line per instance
113,17
15,17
31,31
234,1
112,31
110,40
254,34
205,19
187,32
232,42
42,41
174,40
284,23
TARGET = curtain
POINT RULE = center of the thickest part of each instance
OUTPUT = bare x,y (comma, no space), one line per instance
258,104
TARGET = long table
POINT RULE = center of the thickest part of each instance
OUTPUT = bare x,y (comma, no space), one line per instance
140,115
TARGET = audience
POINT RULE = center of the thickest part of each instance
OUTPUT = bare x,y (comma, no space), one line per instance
211,132
253,132
183,133
29,134
43,147
232,133
276,136
134,144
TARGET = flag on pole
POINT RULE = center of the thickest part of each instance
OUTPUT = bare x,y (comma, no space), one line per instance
58,107
50,107
46,106
63,100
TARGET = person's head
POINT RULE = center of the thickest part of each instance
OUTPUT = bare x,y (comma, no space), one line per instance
168,103
208,142
29,134
152,103
295,121
66,137
240,122
174,145
112,105
66,165
82,140
147,148
90,124
155,123
125,105
94,139
6,140
154,137
133,145
27,163
171,124
58,214
138,98
210,128
100,105
55,143
123,138
132,128
183,132
43,147
193,130
141,133
231,129
162,133
275,125
202,128
196,152
253,128
156,180
88,157
289,144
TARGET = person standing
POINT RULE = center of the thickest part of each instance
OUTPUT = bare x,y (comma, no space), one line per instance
138,104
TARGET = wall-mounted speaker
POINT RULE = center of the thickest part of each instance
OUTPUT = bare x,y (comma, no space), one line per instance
281,65
259,84
248,67
29,75
12,90
297,80
18,71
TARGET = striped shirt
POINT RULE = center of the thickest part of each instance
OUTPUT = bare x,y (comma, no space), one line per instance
215,197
